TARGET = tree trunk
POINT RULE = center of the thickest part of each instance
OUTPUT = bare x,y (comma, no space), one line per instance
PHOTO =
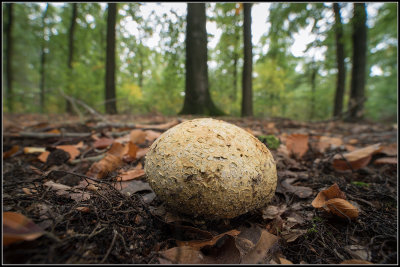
43,63
71,53
197,95
341,76
314,72
358,75
110,104
9,57
247,91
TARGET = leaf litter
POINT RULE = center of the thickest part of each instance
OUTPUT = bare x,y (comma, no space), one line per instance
111,215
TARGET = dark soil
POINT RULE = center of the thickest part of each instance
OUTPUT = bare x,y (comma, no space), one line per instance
120,228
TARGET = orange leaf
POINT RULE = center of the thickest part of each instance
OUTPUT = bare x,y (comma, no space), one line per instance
330,193
104,166
130,175
152,135
284,261
83,209
386,160
11,152
137,136
118,149
71,149
55,131
43,157
355,261
141,152
103,143
357,159
297,144
390,150
342,208
131,153
17,227
326,142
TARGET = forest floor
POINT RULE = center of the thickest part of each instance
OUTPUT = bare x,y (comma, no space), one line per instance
78,207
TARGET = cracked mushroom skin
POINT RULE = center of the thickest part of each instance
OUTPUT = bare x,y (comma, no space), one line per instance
211,168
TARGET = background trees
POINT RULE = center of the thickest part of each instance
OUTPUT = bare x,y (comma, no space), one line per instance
150,49
110,102
247,83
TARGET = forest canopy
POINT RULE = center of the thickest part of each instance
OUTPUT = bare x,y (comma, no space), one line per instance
56,49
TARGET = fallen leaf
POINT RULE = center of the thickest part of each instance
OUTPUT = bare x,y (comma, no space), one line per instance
183,255
201,243
352,141
297,144
137,136
390,150
131,153
341,208
67,191
83,209
300,191
30,150
103,143
354,261
106,165
141,152
152,135
261,249
271,211
27,191
325,142
386,160
54,131
17,227
10,152
71,149
355,159
130,175
43,156
132,187
358,252
118,150
292,234
284,261
332,192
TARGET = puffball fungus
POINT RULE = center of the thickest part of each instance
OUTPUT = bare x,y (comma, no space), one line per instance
211,168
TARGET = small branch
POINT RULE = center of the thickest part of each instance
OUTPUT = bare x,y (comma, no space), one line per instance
90,159
47,135
111,246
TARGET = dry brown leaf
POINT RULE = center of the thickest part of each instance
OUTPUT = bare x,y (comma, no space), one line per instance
386,160
130,175
103,143
261,249
297,144
17,227
390,150
350,148
137,136
106,165
71,149
83,209
131,153
201,243
284,261
54,131
352,141
332,192
27,191
152,135
354,261
356,159
141,152
182,255
30,150
326,142
118,150
341,208
43,156
11,152
300,191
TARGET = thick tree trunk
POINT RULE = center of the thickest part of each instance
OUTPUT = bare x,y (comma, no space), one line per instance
71,53
358,75
197,95
9,57
43,63
341,76
247,90
110,104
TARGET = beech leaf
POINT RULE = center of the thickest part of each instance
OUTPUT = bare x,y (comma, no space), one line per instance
17,227
297,144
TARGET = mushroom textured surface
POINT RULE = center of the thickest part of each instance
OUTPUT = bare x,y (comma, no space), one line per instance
211,168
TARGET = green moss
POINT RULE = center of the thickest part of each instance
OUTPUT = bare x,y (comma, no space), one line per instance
271,141
360,184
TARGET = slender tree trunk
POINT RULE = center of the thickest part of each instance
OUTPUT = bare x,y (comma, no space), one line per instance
9,57
358,75
43,63
110,104
247,90
235,63
141,67
197,95
71,53
341,76
314,72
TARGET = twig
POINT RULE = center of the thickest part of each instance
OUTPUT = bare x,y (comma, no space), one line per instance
71,100
48,135
94,158
111,246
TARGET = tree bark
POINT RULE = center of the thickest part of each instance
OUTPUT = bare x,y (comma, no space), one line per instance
341,76
314,71
110,104
247,90
71,52
43,63
197,95
9,57
358,75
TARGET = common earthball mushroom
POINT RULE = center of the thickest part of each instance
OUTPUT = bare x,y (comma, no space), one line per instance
211,168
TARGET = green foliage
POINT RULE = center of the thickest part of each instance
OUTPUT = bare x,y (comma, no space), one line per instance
271,141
